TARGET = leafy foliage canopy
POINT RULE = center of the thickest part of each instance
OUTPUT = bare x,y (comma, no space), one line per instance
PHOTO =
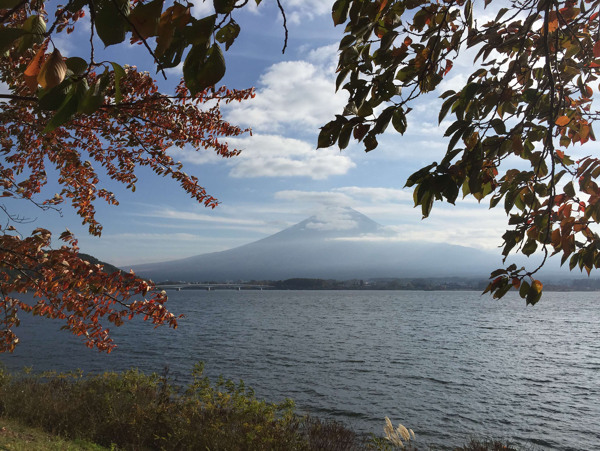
510,127
88,120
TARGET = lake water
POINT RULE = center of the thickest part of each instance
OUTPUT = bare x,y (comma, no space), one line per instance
449,365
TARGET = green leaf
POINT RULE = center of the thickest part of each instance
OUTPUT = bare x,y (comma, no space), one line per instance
77,65
470,90
345,134
384,119
427,203
530,247
533,296
569,190
498,125
145,18
93,98
495,200
454,140
399,121
200,31
67,109
339,11
8,4
370,142
111,26
228,34
203,68
35,27
524,289
8,36
53,98
444,109
119,73
171,57
75,5
223,6
329,134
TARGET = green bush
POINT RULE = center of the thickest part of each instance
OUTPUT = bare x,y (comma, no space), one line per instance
132,410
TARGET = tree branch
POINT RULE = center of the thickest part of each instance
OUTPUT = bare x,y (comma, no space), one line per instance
285,41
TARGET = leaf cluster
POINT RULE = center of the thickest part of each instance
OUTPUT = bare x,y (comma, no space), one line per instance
528,101
87,122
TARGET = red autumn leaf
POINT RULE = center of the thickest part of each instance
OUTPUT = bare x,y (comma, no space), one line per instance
34,67
597,49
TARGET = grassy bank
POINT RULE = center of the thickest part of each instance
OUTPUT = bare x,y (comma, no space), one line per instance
134,411
15,436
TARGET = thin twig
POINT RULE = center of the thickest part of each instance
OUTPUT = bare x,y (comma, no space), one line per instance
285,41
93,25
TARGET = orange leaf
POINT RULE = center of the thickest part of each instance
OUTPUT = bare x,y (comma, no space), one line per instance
449,65
35,66
562,121
556,237
537,286
552,21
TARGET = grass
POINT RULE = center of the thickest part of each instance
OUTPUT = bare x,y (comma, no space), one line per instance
15,436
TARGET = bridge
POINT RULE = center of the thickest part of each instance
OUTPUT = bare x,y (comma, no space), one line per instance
214,286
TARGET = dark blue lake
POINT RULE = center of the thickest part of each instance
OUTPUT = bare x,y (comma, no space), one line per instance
449,365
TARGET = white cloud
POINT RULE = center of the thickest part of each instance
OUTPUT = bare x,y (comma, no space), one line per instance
376,194
298,11
168,213
475,236
293,96
332,219
347,196
202,9
176,71
276,156
196,156
467,223
325,198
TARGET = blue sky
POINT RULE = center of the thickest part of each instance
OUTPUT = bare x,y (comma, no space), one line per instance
280,178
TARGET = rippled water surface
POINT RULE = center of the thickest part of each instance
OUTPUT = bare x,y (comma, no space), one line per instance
450,365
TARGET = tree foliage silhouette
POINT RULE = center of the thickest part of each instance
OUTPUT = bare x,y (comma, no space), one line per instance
527,103
85,120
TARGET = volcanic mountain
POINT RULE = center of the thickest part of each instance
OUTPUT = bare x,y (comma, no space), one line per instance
343,244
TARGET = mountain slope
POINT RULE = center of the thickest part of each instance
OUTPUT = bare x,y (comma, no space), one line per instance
338,246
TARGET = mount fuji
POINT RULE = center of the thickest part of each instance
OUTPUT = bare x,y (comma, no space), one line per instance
341,244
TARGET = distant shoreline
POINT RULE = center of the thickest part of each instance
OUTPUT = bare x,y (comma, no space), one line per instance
387,284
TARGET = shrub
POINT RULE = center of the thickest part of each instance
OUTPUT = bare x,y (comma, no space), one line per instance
132,410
